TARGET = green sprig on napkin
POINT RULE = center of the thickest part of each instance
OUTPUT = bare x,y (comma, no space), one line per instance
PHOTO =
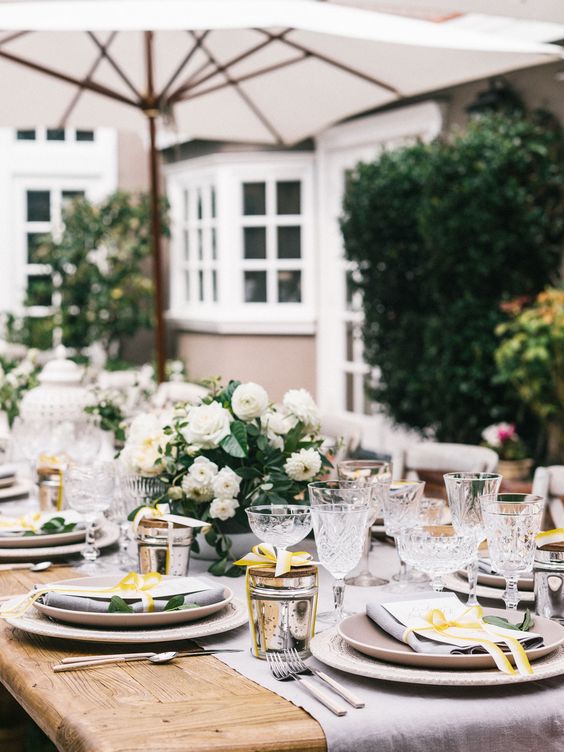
499,621
176,603
54,526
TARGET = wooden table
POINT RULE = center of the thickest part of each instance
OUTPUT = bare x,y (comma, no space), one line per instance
196,704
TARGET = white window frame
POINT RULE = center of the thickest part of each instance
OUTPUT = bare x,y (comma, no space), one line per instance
231,314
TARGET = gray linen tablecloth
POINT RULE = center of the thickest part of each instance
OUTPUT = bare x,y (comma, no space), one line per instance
404,717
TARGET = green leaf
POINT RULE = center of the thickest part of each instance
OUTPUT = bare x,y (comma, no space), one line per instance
235,571
528,622
195,546
118,605
175,602
499,621
218,567
236,444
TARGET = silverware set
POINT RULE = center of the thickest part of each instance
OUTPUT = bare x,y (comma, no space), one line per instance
288,665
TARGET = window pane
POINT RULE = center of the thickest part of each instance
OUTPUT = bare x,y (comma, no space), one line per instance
187,285
200,209
289,242
255,287
186,245
214,243
288,197
213,209
349,342
254,198
26,135
214,286
70,196
186,204
39,291
289,287
254,242
85,135
200,244
35,241
40,332
55,134
349,392
38,206
201,286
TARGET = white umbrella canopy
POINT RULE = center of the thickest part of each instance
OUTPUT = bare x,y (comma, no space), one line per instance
269,71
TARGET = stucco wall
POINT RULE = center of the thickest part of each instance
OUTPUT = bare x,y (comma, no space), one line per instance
277,362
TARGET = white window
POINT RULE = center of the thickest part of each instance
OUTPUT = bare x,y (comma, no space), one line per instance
199,259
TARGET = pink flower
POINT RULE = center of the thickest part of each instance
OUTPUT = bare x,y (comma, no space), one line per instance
506,432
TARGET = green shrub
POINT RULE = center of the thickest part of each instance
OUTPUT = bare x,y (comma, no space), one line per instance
443,234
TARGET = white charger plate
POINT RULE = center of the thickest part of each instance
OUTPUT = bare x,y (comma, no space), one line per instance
459,584
497,581
19,488
7,480
125,621
107,535
330,648
51,539
233,615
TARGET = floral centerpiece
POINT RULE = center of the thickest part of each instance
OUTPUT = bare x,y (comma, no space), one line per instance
109,407
232,451
16,378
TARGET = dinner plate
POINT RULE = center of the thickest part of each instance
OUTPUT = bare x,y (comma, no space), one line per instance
107,535
364,635
7,481
233,615
17,489
330,648
497,581
127,621
39,541
459,584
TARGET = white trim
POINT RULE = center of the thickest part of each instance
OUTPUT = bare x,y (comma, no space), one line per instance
294,328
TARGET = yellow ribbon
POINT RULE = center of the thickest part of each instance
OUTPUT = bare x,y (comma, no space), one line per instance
547,537
132,583
27,522
473,619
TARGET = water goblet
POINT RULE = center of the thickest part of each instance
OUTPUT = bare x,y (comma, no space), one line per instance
436,550
281,525
401,509
464,492
339,512
511,522
133,491
89,490
373,473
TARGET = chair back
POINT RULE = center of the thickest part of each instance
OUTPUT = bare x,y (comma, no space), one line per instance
549,482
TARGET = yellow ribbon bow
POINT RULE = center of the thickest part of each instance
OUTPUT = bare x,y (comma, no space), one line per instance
265,555
132,583
473,619
160,511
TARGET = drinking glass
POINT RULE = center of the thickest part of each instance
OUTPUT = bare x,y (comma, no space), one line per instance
511,522
436,550
281,525
464,492
401,508
367,473
339,512
132,491
89,490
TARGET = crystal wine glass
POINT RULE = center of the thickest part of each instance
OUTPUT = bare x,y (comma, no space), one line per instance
281,525
89,490
464,492
436,550
511,522
133,491
401,508
339,512
378,474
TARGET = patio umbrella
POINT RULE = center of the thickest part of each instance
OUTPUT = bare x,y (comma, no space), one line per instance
270,71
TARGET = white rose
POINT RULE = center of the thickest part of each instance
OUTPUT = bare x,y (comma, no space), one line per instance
203,471
226,484
143,457
207,425
300,404
194,490
223,509
491,436
275,441
275,422
143,425
303,465
249,401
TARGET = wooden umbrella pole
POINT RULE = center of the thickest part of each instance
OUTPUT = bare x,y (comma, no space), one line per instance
151,111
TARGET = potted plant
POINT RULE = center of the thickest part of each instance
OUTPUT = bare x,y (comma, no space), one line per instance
513,461
530,358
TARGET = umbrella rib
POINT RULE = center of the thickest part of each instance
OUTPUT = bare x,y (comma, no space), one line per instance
193,81
105,54
183,63
335,63
80,90
245,97
98,88
245,77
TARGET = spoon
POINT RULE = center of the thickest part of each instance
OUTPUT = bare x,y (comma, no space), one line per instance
40,566
154,658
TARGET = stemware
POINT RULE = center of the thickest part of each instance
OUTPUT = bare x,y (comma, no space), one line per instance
133,491
281,525
373,473
89,490
436,550
464,492
339,512
511,522
401,508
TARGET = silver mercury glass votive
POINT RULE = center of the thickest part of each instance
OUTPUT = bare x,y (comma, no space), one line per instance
548,573
282,609
164,547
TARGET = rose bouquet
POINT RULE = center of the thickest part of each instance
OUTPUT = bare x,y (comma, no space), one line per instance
504,439
235,450
16,378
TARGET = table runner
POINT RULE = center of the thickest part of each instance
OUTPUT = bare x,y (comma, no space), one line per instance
403,717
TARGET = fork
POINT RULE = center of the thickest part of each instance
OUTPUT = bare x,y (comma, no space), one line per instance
298,666
281,672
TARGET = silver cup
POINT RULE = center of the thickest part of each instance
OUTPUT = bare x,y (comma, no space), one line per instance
164,547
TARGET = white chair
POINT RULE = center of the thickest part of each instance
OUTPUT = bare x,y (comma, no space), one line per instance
549,482
342,436
170,393
438,457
